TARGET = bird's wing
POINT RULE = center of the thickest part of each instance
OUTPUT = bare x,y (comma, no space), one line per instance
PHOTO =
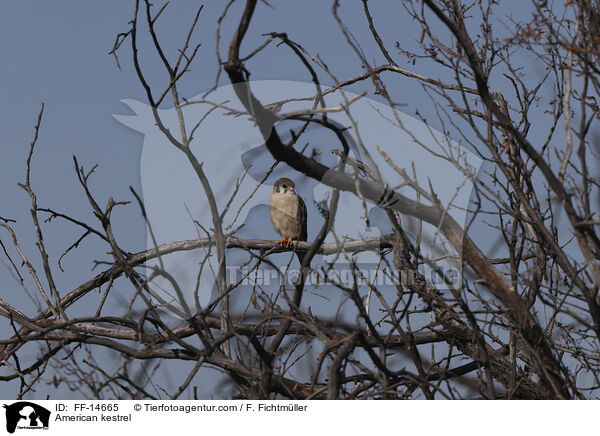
303,218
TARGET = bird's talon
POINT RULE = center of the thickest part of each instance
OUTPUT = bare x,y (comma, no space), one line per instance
285,242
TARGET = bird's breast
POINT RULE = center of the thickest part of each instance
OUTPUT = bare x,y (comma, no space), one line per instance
284,214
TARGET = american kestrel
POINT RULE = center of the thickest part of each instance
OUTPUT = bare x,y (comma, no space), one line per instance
288,212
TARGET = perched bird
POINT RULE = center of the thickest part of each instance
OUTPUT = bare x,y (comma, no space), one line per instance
288,214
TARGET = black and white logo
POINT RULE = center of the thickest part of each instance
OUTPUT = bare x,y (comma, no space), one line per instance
26,415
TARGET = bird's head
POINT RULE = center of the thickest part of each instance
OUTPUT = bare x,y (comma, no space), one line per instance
283,186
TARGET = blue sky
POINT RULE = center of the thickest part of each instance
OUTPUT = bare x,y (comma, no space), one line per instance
57,53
